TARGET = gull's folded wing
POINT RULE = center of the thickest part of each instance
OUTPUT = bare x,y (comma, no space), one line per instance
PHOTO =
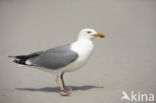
55,58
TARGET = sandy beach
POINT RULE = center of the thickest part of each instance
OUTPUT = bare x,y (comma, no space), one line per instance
125,60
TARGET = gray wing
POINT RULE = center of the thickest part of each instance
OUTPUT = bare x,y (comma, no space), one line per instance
55,58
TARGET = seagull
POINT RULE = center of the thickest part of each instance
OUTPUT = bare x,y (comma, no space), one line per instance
61,59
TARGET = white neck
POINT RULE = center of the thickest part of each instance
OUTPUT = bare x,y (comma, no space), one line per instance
83,43
83,47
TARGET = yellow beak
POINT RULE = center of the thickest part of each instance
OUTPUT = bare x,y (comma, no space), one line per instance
99,35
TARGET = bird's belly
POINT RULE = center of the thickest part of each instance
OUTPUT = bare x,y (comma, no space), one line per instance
74,66
78,63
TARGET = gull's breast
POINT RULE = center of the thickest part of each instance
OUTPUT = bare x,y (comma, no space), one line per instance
84,50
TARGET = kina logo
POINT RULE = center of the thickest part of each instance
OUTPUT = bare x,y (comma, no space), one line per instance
137,96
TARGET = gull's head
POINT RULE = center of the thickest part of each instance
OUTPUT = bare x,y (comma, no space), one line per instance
89,34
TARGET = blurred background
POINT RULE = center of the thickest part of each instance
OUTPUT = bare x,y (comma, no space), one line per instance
124,60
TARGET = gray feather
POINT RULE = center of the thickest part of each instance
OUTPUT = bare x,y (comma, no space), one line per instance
55,58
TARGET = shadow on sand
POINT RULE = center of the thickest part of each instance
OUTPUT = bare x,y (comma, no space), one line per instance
56,89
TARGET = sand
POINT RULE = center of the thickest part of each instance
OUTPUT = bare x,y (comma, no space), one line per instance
123,61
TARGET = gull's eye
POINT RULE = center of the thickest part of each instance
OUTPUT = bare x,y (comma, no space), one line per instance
88,32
